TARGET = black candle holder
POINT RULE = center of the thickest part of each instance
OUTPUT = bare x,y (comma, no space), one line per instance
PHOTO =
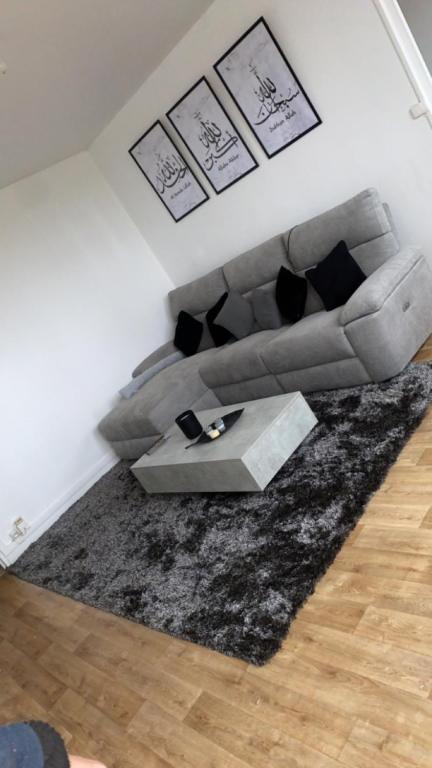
189,425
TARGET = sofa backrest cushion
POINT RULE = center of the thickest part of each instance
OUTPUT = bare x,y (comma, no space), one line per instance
359,221
199,295
256,267
363,222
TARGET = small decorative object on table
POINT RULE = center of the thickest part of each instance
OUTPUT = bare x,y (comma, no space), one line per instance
189,424
217,428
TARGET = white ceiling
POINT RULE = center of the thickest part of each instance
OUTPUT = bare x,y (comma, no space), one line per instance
72,64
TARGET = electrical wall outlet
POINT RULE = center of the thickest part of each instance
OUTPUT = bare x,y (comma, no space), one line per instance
19,529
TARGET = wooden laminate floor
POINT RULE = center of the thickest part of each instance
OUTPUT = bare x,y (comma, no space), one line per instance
351,687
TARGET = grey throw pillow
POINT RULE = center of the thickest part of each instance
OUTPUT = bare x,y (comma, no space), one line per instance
138,381
160,353
236,315
265,309
206,339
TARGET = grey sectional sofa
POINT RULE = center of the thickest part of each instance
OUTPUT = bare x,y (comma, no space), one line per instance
371,338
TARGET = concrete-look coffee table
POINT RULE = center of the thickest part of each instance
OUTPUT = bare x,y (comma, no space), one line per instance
243,459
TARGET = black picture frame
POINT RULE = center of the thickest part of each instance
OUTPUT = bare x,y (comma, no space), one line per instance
259,135
200,195
247,158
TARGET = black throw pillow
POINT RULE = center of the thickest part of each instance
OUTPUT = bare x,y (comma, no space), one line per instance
291,292
219,334
337,277
188,333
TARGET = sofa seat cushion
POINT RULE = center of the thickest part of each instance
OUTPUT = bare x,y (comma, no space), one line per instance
315,340
154,407
237,362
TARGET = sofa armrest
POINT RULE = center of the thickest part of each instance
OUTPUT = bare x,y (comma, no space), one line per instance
390,316
378,287
159,354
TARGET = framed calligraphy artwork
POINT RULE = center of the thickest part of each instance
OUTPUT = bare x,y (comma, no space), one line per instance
211,136
266,90
167,172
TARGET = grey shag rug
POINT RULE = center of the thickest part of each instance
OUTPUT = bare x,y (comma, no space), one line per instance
230,571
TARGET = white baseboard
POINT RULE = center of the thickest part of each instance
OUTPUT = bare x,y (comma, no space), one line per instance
9,552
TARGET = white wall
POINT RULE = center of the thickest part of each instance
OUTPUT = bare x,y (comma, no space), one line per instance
346,62
82,301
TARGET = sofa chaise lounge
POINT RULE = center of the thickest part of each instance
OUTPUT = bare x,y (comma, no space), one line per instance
369,339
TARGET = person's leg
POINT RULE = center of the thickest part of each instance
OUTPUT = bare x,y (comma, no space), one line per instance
83,762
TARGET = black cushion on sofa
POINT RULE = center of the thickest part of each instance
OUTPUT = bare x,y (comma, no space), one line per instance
188,333
219,335
337,277
291,292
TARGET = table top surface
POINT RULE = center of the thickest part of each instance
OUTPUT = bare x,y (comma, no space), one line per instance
259,416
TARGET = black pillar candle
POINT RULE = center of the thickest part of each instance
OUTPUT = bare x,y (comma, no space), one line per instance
189,424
